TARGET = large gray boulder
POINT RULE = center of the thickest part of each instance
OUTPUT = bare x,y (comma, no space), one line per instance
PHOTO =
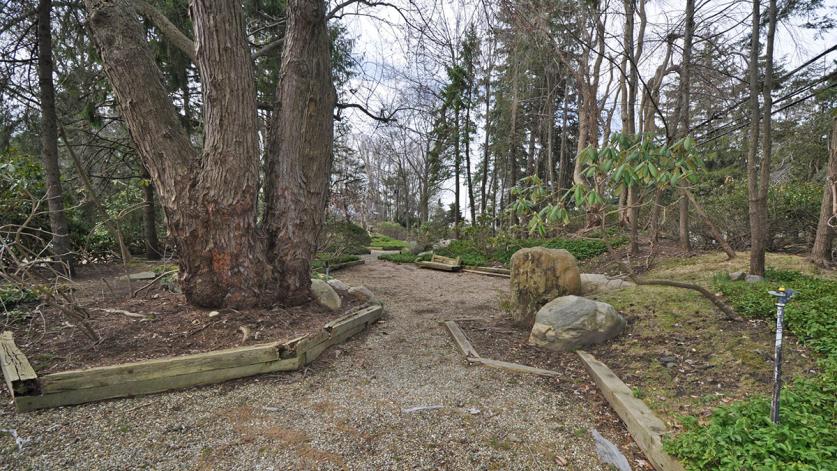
325,295
592,283
571,322
539,275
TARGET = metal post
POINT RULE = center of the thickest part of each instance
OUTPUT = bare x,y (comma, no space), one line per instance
782,298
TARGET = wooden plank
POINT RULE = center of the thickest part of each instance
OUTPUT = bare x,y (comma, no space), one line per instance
498,270
515,367
438,266
645,427
364,316
498,275
158,368
19,375
150,386
461,340
338,331
445,260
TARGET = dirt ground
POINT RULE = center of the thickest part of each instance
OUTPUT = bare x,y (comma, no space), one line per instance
153,323
350,410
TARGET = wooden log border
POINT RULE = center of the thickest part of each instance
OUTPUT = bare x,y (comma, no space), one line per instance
31,392
646,428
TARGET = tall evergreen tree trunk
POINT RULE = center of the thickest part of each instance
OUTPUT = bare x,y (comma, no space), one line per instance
758,232
49,141
821,252
564,172
457,164
683,119
468,180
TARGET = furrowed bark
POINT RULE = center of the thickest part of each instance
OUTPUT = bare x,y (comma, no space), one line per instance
210,201
821,252
299,153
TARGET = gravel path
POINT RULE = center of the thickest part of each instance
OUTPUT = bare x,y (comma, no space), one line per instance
345,412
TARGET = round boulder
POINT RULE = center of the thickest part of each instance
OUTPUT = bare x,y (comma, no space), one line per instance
571,322
539,275
325,295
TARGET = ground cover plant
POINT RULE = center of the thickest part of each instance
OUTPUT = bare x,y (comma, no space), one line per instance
398,257
741,435
382,242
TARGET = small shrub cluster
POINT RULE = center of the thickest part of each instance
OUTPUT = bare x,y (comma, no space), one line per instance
345,237
11,296
499,250
741,435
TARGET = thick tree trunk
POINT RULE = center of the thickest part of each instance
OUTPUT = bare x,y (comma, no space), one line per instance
49,141
299,148
821,252
753,148
209,200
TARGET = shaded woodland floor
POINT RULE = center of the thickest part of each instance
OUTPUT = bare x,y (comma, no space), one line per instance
348,409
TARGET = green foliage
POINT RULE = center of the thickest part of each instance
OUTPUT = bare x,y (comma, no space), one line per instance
387,243
501,249
537,206
741,436
12,296
793,212
398,257
811,315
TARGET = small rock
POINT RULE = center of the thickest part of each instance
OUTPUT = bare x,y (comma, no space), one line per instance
737,276
213,314
609,453
338,285
362,294
753,278
596,283
325,295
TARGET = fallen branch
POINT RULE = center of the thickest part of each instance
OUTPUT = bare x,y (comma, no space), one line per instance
159,277
125,313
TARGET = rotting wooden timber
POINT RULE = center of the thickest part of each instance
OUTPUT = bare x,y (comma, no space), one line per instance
31,392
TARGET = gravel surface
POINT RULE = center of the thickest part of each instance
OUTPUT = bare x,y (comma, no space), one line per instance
348,411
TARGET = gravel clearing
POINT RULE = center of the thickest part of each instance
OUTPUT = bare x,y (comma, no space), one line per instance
350,410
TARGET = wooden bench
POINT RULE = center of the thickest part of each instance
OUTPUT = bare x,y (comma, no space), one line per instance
438,262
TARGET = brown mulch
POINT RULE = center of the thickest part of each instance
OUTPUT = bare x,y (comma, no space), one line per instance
500,339
171,326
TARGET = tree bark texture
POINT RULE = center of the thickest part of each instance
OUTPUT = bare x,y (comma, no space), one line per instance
49,140
300,148
209,197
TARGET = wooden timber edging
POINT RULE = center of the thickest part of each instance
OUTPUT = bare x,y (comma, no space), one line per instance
645,427
31,392
479,271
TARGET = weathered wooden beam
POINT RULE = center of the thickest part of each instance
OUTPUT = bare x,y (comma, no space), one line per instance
515,367
336,332
645,427
488,273
152,385
20,377
461,340
497,270
159,367
438,266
